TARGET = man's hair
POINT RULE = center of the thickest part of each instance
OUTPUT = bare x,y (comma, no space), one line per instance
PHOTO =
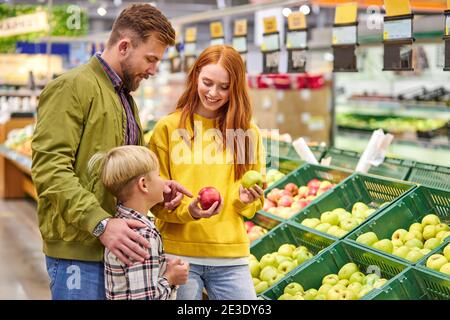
139,21
120,167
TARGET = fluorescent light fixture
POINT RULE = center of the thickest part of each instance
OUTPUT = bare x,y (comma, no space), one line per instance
101,11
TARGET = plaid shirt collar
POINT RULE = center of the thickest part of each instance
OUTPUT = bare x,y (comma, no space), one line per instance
124,212
112,75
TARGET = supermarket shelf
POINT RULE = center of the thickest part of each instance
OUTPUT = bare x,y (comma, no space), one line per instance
19,93
20,159
391,108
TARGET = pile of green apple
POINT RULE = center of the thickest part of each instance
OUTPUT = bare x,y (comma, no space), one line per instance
272,267
440,262
339,222
292,198
254,231
411,245
272,176
348,284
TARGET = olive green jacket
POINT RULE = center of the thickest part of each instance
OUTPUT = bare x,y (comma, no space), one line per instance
79,114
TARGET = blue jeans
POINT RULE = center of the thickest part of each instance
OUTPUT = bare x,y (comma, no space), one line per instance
75,279
221,283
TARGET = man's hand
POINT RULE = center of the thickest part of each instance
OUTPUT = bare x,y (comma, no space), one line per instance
197,212
173,194
120,238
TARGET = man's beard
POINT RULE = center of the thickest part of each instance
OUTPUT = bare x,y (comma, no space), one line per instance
129,81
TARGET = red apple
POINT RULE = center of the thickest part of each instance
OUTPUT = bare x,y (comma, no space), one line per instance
249,226
292,188
312,191
208,195
314,183
303,192
274,195
268,204
285,193
285,201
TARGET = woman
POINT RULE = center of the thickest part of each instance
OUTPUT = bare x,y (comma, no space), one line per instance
210,141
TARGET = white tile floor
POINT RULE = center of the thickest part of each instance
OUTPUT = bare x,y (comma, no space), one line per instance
22,266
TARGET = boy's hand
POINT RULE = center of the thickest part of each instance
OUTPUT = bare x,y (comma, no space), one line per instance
250,195
197,212
177,272
173,194
120,238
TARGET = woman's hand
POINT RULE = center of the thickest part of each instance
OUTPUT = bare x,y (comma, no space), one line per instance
197,212
251,194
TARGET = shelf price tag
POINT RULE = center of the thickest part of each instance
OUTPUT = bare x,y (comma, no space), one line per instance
240,28
345,37
397,29
270,24
296,21
190,35
216,29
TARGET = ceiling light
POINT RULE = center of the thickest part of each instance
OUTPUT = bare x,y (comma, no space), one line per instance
305,9
101,11
286,12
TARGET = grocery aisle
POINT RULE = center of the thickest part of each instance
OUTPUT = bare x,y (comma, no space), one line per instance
22,264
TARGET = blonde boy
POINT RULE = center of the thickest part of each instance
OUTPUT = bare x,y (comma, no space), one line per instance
131,174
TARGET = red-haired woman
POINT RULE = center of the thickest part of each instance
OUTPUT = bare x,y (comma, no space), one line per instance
210,141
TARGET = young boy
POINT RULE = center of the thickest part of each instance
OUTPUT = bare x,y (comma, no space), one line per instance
131,174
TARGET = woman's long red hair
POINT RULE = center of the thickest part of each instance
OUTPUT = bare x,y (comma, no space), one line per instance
236,113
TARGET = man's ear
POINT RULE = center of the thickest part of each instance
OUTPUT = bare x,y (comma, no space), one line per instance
124,46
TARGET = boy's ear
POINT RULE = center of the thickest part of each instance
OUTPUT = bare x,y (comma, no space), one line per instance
142,184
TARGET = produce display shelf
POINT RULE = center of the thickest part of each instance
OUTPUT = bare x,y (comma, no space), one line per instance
430,175
422,264
374,191
21,159
409,209
310,274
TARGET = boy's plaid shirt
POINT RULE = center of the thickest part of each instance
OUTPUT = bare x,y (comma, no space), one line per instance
143,281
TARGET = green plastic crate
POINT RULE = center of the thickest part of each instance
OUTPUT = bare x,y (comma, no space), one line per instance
422,264
414,284
408,210
372,190
391,167
310,274
285,165
286,149
430,175
304,174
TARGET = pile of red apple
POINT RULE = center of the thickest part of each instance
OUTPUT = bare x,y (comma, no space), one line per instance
254,231
348,284
272,267
292,199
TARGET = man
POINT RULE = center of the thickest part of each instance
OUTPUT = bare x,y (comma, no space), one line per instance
85,111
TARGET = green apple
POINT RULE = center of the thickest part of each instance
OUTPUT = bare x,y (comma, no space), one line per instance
371,279
334,293
368,238
442,235
256,281
430,219
446,251
412,235
414,243
252,257
431,244
364,291
311,223
429,231
347,270
324,289
254,268
369,212
416,226
310,294
425,251
261,286
323,227
320,297
341,233
379,283
359,206
445,269
301,256
384,245
436,261
280,258
276,279
442,227
252,177
359,215
286,249
286,296
268,273
334,231
357,277
286,266
399,234
348,224
397,243
414,255
348,295
293,288
332,279
355,287
330,217
339,211
344,215
298,297
344,282
268,259
401,251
